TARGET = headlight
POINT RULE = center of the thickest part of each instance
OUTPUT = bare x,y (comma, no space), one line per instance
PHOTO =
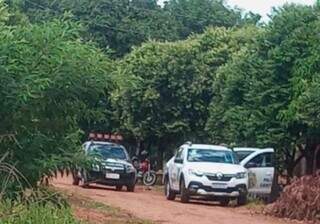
196,173
241,175
130,169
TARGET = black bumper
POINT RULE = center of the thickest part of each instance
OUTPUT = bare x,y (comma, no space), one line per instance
100,178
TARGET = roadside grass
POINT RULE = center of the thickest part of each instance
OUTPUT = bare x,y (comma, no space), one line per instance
76,210
21,213
88,211
255,205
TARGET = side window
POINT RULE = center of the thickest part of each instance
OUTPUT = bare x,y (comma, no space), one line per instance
262,161
269,160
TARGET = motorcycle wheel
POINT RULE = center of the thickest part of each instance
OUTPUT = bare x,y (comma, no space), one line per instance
149,178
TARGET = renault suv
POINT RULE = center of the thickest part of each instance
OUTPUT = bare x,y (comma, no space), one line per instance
205,170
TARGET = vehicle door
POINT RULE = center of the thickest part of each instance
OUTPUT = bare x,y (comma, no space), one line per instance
175,169
260,173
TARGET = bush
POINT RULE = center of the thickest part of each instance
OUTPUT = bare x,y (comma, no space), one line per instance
34,213
299,200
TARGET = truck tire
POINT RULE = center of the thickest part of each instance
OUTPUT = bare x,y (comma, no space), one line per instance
75,177
242,199
130,188
184,194
224,201
119,187
169,193
75,181
83,180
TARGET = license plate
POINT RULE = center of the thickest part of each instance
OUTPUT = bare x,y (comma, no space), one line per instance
112,176
219,185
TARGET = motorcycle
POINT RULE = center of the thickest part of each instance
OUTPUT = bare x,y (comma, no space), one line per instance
144,171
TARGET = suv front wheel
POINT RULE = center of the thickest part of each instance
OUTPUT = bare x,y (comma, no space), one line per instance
170,194
184,193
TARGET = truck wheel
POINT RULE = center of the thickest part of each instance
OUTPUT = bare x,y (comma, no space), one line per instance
118,187
242,199
75,178
169,193
76,181
184,192
83,181
224,201
130,188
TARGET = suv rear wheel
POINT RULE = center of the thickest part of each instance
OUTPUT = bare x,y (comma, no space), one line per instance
170,194
184,192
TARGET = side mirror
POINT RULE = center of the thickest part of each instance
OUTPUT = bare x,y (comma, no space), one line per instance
178,160
251,165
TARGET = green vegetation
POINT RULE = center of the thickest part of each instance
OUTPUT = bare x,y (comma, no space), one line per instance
190,70
116,25
34,213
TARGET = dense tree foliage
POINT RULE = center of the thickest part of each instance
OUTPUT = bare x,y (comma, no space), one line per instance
194,16
172,85
117,25
51,84
265,93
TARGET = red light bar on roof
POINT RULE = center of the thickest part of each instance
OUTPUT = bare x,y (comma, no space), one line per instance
105,137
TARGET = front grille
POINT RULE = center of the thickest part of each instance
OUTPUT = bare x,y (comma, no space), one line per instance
215,178
219,190
115,165
120,171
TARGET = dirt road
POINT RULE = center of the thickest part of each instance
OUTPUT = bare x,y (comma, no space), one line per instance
153,206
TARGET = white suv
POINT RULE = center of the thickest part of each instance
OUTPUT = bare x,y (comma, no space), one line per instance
205,170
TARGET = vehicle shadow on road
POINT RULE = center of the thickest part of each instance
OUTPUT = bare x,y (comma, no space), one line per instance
98,187
206,202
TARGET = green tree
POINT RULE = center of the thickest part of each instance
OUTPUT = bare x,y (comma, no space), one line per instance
117,25
259,91
51,84
114,25
195,15
171,91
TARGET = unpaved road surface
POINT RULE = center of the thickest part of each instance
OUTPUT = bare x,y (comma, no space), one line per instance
153,206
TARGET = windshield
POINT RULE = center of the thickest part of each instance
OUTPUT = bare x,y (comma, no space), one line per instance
243,154
108,152
213,156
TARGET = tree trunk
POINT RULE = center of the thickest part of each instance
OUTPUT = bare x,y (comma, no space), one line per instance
160,155
275,188
138,149
309,160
